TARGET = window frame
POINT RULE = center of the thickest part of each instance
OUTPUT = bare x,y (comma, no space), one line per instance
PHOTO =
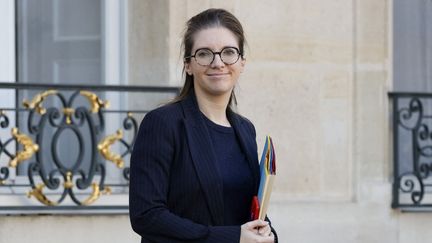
115,72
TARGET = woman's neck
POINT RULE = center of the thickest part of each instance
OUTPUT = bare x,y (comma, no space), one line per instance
214,108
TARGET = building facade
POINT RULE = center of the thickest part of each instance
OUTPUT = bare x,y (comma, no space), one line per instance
317,79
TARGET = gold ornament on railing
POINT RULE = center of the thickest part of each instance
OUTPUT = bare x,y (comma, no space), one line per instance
68,114
29,147
95,102
104,148
96,194
40,196
36,102
68,184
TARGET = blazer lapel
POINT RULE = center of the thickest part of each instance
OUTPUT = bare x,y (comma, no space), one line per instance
247,143
203,158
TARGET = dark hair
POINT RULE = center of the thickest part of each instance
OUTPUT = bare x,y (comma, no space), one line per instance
204,20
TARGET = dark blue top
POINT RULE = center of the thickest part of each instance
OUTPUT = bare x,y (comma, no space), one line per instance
234,170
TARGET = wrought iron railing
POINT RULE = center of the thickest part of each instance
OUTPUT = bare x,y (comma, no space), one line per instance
63,146
412,150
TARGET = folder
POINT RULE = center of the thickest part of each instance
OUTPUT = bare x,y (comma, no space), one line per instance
268,172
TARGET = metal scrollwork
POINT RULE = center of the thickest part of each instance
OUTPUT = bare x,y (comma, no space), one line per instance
58,146
415,145
410,117
413,184
4,171
129,124
424,170
50,128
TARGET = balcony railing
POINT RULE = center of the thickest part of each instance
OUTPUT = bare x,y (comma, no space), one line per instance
412,151
67,146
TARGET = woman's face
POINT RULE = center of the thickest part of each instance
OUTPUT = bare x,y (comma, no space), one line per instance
217,78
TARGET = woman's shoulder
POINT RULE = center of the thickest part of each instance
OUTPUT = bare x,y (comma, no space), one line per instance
244,121
166,113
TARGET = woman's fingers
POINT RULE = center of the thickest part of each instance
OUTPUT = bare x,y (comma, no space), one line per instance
264,231
259,230
256,224
249,232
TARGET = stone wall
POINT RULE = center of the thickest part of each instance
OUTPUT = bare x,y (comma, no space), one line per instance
66,229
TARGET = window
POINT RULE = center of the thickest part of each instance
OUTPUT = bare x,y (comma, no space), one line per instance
412,104
71,59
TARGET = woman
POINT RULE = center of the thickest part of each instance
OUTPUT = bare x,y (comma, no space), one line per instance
194,167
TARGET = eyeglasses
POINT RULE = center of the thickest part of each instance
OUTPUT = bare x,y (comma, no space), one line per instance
205,56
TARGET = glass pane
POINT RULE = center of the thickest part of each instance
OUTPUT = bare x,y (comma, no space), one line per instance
412,45
59,41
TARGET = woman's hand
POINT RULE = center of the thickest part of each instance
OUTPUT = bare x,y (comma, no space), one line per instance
265,230
256,231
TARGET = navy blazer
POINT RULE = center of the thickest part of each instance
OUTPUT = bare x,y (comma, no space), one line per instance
176,192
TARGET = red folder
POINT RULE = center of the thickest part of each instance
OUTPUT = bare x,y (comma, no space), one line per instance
255,208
